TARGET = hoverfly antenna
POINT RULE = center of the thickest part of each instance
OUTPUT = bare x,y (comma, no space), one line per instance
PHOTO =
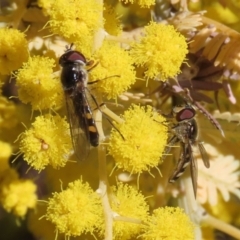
69,47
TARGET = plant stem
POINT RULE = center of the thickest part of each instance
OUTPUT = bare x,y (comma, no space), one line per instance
222,226
127,219
111,114
103,177
188,202
103,187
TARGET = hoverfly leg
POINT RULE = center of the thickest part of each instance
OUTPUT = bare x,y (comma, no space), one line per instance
98,106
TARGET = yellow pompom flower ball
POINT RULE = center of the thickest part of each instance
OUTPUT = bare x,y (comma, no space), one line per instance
17,195
114,74
13,50
47,142
128,202
145,137
76,21
161,51
38,85
168,223
76,210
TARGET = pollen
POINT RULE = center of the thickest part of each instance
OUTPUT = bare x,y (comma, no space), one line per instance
131,203
162,51
169,223
76,210
145,137
37,84
115,74
47,142
13,50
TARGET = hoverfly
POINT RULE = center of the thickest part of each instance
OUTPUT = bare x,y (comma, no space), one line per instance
185,132
74,79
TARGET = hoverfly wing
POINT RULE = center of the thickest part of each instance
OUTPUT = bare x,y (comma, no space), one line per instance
204,155
193,168
80,139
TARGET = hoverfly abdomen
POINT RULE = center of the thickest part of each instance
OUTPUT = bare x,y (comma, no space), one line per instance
184,161
92,129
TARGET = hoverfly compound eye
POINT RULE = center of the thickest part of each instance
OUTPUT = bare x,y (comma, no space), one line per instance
74,56
185,113
71,57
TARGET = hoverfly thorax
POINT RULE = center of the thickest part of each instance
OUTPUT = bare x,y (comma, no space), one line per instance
193,130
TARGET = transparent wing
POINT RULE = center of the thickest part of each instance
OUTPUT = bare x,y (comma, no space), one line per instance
193,168
78,129
204,155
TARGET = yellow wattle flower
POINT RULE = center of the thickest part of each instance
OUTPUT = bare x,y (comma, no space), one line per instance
37,84
161,51
128,202
13,50
76,210
145,138
115,74
169,223
76,21
47,142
